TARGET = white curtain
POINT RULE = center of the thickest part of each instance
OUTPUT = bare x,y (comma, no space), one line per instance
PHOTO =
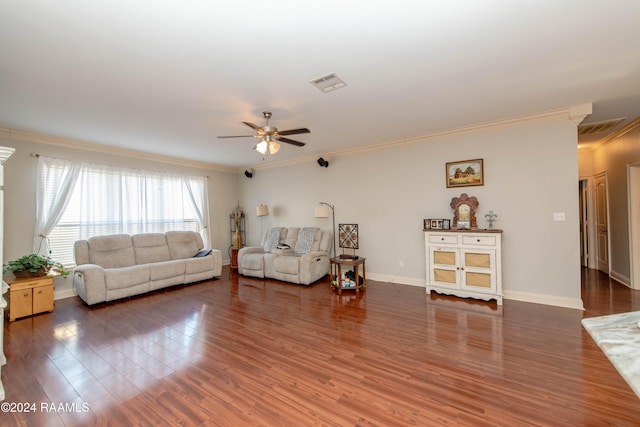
197,191
113,200
55,184
118,200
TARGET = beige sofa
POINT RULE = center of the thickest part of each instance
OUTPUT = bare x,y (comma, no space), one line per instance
122,265
304,262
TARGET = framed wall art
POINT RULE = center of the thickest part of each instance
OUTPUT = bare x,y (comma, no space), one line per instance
348,238
465,173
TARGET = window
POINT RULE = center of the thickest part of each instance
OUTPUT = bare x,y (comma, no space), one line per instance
97,200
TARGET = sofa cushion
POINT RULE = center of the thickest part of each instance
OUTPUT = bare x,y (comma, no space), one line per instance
253,261
150,247
183,244
306,238
274,237
120,278
114,251
167,269
292,236
288,264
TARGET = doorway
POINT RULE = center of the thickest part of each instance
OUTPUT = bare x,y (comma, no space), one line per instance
634,223
584,222
602,222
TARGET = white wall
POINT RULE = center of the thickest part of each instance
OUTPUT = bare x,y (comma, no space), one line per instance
531,172
20,201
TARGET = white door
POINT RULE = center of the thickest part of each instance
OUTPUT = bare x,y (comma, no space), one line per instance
602,223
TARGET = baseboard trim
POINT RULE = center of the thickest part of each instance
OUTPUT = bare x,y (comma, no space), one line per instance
402,280
575,303
509,295
63,293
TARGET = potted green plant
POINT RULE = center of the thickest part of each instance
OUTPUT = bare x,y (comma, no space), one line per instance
34,265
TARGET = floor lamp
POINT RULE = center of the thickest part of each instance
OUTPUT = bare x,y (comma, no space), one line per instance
262,210
322,211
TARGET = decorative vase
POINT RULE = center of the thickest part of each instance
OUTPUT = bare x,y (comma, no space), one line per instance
237,239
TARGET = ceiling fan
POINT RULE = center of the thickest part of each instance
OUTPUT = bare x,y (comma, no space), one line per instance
270,136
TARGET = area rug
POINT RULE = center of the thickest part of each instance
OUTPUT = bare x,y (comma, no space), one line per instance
618,336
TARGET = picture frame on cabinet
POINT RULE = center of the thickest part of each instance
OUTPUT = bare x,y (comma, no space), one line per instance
436,224
465,173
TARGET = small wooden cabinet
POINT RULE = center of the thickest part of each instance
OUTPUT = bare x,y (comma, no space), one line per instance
234,259
29,296
465,263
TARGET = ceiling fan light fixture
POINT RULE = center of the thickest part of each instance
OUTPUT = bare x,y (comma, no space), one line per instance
262,147
270,136
274,147
267,146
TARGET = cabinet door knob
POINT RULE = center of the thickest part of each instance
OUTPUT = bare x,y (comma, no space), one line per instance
478,240
442,239
26,294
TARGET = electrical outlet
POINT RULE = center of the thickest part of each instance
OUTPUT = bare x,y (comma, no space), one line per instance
558,216
401,264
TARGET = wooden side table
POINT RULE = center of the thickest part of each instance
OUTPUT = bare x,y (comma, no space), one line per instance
30,295
234,259
339,263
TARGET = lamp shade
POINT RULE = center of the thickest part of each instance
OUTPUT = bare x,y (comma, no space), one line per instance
262,210
322,211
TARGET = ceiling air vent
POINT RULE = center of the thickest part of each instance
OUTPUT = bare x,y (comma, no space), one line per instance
599,127
328,83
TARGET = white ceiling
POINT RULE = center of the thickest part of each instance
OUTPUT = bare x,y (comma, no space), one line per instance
167,77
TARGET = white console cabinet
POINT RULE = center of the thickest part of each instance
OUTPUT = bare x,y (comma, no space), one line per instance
467,264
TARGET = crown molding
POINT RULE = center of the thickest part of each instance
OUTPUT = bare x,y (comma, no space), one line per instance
570,113
634,124
546,116
42,138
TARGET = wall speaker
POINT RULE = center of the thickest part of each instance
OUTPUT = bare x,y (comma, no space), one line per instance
323,163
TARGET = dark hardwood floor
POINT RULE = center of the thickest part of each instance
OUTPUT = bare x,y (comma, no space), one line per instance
238,351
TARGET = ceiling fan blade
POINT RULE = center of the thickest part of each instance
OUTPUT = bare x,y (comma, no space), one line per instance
293,131
251,125
291,141
238,136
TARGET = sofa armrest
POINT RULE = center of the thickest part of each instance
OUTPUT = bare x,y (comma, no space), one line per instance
250,250
246,251
89,283
313,266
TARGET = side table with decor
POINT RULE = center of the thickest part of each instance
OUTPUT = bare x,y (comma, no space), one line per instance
340,283
30,280
30,295
234,258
